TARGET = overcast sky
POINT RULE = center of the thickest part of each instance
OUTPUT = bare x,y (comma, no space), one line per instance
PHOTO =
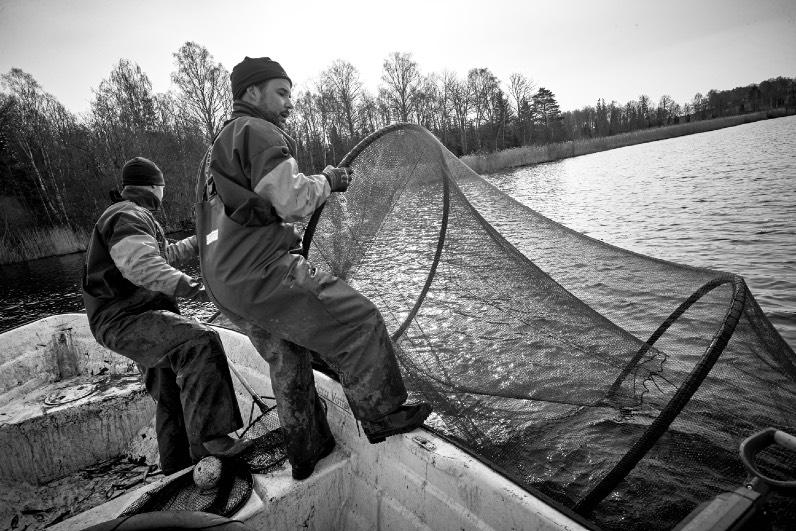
579,49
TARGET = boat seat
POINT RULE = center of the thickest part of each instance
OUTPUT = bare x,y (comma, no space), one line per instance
65,402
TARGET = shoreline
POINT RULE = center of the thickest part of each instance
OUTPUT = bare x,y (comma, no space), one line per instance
37,243
539,154
46,242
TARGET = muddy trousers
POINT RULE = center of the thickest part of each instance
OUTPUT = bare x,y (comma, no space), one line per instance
185,371
322,314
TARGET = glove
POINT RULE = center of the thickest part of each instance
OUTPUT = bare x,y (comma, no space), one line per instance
201,296
190,288
339,178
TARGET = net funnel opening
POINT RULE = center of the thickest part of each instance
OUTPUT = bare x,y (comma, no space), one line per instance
530,350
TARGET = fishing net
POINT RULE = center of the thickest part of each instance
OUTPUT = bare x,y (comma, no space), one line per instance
615,384
235,485
182,494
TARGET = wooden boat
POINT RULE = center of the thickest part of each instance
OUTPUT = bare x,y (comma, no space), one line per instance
70,404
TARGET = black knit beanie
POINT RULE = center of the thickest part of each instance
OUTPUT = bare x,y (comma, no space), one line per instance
254,70
141,172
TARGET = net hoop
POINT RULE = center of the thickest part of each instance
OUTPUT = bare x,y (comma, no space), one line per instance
677,402
683,394
347,160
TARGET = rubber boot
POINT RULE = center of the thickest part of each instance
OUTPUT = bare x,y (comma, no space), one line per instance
406,418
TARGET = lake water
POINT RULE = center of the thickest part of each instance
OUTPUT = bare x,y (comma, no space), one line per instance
723,200
48,286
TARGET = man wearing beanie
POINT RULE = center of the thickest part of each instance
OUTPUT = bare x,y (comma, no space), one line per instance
130,287
254,193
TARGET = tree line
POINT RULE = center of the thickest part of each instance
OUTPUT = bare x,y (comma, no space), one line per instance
56,168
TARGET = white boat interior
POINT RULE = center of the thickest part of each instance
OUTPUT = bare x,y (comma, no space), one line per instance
65,401
411,481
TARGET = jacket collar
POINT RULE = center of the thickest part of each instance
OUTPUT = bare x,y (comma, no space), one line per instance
241,108
142,198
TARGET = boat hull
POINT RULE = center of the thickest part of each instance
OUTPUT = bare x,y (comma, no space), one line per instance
411,481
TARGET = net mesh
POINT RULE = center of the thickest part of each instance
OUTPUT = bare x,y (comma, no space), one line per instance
617,384
182,494
235,486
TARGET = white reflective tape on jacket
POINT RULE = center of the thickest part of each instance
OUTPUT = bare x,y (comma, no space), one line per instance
182,251
292,194
138,259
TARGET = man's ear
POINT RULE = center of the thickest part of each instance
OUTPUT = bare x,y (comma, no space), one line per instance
252,93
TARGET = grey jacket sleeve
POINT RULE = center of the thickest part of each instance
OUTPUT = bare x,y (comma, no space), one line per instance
135,252
182,251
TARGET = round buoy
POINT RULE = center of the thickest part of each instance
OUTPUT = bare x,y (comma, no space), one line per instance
207,473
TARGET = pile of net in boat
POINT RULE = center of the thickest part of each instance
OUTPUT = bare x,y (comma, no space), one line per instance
613,383
235,482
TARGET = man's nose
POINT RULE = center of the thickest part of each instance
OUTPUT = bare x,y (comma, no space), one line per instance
289,104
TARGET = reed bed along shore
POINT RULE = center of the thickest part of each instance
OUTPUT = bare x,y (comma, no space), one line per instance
527,155
33,243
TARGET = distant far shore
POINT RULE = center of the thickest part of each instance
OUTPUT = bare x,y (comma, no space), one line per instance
38,243
529,155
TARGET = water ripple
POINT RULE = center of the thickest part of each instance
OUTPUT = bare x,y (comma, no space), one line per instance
723,199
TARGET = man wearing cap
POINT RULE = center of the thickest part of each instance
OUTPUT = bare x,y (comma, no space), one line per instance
254,193
130,288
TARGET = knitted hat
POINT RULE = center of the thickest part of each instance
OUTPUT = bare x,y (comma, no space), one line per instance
254,70
141,172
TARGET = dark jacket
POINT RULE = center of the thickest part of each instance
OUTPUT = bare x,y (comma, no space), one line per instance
127,269
255,172
247,226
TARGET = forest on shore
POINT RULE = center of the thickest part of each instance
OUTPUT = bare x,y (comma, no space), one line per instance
56,167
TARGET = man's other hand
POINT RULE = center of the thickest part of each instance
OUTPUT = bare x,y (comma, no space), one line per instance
201,296
191,288
339,178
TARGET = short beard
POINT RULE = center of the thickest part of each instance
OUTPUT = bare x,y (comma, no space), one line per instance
275,118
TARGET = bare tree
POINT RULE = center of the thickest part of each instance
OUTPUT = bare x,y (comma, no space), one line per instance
428,109
665,111
482,85
328,117
343,80
700,104
644,110
203,88
308,125
122,114
521,89
126,97
368,112
687,111
39,128
603,125
383,106
461,99
498,114
401,79
444,103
